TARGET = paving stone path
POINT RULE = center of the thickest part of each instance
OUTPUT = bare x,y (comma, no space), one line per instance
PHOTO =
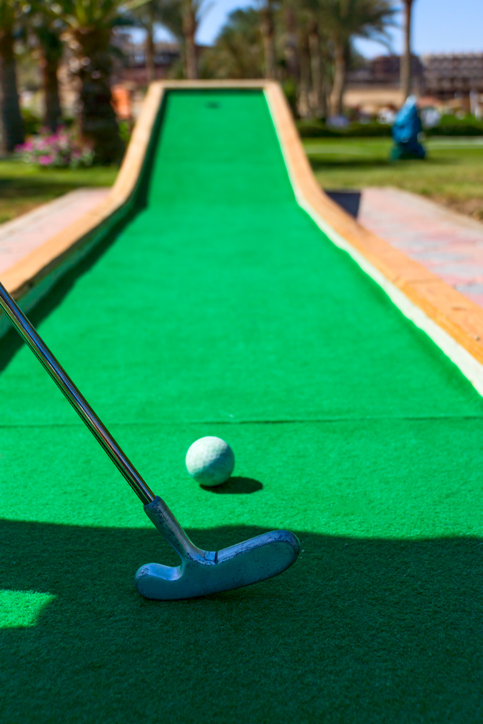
25,233
448,244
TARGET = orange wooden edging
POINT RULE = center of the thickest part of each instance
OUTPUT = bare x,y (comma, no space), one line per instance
461,318
37,265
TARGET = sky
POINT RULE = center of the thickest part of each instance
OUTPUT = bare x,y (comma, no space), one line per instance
439,26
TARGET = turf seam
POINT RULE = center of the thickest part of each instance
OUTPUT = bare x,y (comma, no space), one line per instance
231,423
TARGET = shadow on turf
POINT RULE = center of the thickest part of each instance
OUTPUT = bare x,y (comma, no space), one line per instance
356,631
12,342
319,162
235,486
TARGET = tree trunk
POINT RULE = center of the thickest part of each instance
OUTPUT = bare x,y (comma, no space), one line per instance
97,121
191,64
304,87
10,116
291,55
316,68
189,30
406,59
52,109
149,47
50,61
268,35
337,96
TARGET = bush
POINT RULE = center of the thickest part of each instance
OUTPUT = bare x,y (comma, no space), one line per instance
315,129
453,126
125,131
31,122
448,126
290,90
55,150
371,130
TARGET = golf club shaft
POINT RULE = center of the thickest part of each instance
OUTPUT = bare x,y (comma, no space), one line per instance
78,402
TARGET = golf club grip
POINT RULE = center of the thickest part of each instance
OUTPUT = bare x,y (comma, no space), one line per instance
73,395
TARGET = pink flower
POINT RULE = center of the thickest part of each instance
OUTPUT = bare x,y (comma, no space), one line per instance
58,149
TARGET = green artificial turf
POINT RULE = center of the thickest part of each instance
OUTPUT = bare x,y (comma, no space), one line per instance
221,309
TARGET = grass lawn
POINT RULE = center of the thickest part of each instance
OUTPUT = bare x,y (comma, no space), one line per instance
23,187
452,174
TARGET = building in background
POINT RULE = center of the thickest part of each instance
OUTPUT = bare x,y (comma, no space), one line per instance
384,70
453,75
130,67
450,81
445,80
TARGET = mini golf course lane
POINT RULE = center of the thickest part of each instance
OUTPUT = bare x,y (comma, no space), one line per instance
221,309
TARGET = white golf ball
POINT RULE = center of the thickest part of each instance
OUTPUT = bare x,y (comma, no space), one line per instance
210,461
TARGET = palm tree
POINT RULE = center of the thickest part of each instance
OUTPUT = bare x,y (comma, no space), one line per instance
289,10
154,13
52,48
304,16
316,67
46,28
11,123
344,20
267,26
190,25
89,29
145,17
304,94
181,18
237,51
406,59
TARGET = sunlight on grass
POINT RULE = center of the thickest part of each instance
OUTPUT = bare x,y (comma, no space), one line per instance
451,174
23,187
21,609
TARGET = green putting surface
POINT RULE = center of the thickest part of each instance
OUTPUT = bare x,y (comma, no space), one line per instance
221,309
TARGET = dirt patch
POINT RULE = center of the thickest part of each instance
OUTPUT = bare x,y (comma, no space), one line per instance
469,207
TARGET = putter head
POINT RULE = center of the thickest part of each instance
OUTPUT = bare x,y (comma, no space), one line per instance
204,572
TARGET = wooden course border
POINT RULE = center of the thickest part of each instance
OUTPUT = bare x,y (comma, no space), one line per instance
461,318
30,278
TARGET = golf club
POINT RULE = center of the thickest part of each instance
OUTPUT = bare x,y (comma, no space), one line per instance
200,572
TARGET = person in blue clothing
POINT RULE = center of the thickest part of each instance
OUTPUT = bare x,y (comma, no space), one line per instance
405,132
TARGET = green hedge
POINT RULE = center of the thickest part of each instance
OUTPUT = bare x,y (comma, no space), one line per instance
31,122
452,126
449,126
318,129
